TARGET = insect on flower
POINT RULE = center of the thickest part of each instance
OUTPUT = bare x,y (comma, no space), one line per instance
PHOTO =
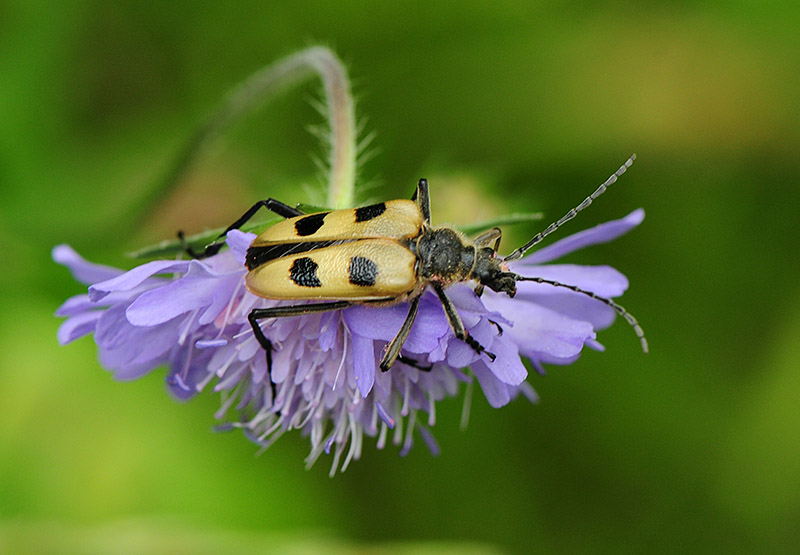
371,287
381,255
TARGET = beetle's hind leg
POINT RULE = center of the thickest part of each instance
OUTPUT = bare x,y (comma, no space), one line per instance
266,344
457,325
276,206
283,311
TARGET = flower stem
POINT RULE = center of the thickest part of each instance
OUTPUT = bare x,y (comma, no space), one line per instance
255,91
342,121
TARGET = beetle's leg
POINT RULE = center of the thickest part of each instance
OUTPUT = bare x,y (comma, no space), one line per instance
415,363
282,209
423,199
266,344
292,310
499,329
488,237
276,206
456,323
275,312
187,248
279,311
393,349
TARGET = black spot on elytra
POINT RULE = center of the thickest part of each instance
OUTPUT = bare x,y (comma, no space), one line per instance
310,224
256,256
363,271
304,273
366,213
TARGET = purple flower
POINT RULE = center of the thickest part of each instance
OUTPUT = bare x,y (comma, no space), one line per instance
191,316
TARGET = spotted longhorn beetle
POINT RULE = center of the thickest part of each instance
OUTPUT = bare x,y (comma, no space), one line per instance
381,255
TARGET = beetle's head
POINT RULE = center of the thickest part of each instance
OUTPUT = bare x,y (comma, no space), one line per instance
489,270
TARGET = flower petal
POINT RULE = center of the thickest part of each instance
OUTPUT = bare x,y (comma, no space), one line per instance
463,296
496,392
507,367
136,276
78,326
328,330
83,271
539,331
239,242
75,305
376,322
602,233
601,280
113,330
222,298
578,307
363,363
190,292
210,343
429,326
459,354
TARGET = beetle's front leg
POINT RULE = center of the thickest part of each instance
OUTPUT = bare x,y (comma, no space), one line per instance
422,197
457,325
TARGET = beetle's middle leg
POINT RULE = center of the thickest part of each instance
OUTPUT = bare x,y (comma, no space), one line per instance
266,344
276,206
393,349
457,325
283,311
279,311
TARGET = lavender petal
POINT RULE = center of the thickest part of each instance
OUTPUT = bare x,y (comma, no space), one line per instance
83,271
602,233
136,277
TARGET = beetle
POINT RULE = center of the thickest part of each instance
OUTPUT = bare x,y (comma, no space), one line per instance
383,254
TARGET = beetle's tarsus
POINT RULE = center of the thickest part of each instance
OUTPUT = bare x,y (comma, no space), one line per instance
499,328
476,346
187,248
414,363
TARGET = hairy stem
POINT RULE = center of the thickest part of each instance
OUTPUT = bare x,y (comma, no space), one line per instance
255,91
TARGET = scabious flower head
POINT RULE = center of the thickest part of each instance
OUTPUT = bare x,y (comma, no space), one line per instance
191,316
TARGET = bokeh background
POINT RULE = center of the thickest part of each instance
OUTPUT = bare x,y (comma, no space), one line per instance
504,106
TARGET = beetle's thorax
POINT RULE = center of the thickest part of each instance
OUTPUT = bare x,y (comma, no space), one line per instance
443,256
446,257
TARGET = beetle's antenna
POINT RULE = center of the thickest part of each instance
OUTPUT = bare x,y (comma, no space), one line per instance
517,254
617,308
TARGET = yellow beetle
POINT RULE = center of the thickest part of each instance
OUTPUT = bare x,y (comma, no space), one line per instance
383,254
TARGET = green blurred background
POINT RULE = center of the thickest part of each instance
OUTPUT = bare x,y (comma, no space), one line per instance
510,107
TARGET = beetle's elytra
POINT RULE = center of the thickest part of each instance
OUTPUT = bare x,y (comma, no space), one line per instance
381,254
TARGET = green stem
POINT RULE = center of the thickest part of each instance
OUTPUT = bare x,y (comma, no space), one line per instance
255,91
342,120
